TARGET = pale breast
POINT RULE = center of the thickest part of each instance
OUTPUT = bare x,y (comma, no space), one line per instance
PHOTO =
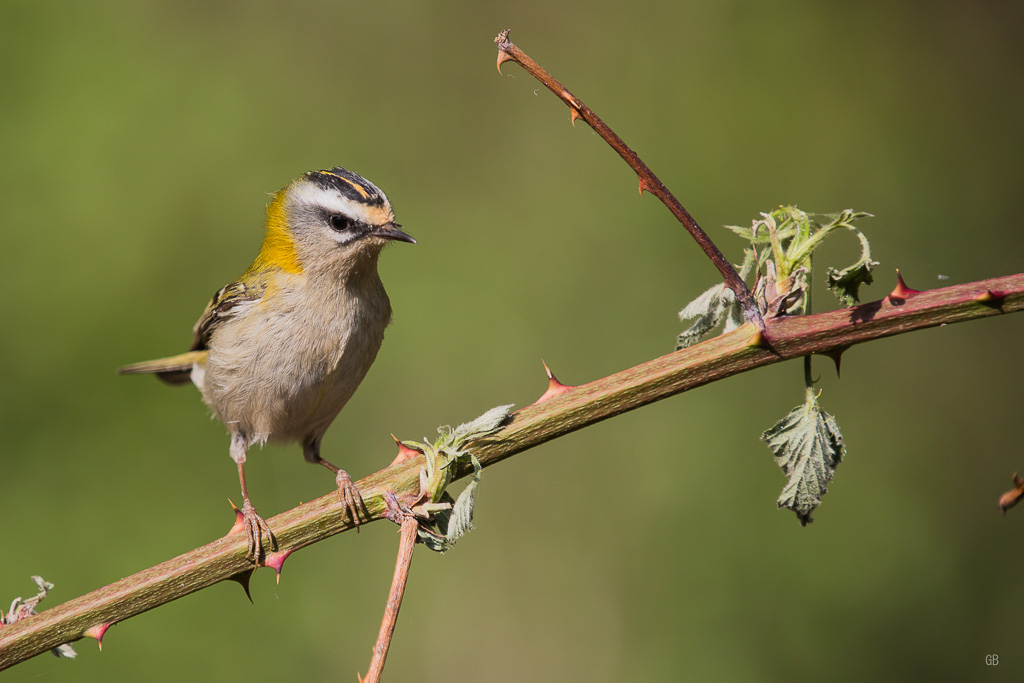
283,370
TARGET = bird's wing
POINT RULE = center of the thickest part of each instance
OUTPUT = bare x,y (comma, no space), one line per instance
224,306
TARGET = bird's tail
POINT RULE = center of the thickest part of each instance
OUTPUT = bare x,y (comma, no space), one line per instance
173,370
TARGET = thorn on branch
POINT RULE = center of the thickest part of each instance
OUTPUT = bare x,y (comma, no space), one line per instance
900,293
502,58
239,525
275,560
97,632
1013,496
837,356
242,579
758,340
405,453
555,388
991,299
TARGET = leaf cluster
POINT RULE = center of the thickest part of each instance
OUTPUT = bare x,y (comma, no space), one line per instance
453,518
777,264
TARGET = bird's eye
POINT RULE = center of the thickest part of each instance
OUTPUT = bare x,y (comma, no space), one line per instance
341,222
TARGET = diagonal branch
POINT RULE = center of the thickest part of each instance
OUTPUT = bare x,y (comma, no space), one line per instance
561,412
509,51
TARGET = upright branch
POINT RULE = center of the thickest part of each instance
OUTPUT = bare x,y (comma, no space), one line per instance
508,51
410,528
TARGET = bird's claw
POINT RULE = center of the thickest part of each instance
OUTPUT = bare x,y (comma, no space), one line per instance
350,497
255,527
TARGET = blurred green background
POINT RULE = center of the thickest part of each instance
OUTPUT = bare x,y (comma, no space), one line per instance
140,140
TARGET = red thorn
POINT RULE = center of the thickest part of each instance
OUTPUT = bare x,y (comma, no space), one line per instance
242,579
97,632
275,560
990,298
502,58
573,115
405,453
555,388
901,292
642,185
239,525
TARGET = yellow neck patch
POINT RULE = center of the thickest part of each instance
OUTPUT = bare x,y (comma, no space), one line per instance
278,250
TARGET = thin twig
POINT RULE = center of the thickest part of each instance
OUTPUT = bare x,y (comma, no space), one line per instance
508,51
570,409
387,626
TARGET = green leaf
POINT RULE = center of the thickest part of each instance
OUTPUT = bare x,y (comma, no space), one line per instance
432,540
808,446
707,311
444,453
461,520
434,533
745,233
788,220
845,283
490,421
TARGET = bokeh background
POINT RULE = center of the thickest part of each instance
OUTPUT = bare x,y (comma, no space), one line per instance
140,140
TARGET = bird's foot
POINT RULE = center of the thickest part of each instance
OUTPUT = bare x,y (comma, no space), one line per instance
351,498
255,527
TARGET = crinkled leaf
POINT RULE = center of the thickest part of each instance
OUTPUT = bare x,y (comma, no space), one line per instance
750,262
734,314
442,456
808,446
435,537
745,233
733,319
846,217
461,521
707,311
446,451
787,220
485,424
433,541
845,283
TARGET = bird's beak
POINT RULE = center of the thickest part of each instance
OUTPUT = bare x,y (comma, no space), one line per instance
391,231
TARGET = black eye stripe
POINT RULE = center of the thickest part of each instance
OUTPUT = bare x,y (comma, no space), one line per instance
341,222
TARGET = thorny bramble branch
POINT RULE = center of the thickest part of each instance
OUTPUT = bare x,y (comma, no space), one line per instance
563,409
508,51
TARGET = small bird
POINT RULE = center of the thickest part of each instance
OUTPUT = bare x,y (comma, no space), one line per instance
279,352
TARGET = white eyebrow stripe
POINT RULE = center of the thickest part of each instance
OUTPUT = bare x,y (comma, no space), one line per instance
308,194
